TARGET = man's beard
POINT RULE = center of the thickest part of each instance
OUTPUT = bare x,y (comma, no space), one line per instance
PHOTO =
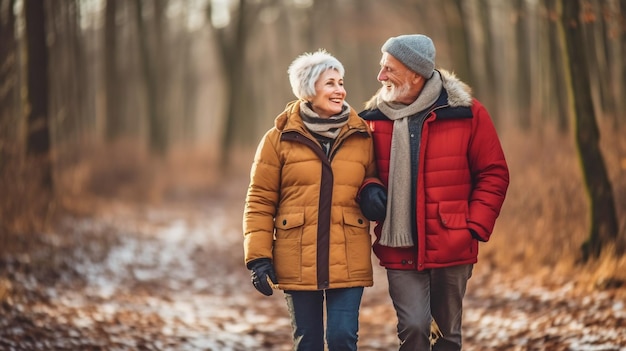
393,94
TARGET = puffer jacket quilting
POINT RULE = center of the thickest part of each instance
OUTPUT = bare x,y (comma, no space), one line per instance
462,179
301,208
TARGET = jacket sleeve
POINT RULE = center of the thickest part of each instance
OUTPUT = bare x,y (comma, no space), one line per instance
489,171
262,199
371,172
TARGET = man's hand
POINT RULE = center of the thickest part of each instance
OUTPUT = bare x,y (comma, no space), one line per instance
373,202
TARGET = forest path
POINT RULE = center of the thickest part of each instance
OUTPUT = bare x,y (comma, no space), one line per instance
171,277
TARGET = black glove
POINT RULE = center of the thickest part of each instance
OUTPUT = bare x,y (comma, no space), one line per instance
476,236
262,271
373,202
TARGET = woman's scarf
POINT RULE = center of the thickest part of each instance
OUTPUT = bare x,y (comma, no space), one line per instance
397,230
326,127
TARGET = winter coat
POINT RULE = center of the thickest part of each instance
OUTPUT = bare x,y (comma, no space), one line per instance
301,208
460,183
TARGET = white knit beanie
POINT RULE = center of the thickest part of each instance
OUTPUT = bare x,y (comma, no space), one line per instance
416,51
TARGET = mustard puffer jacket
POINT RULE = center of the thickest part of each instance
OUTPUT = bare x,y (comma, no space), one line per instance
301,208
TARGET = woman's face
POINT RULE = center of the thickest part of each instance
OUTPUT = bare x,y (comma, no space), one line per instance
329,94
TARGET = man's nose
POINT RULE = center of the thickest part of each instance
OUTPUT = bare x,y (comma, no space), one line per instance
381,75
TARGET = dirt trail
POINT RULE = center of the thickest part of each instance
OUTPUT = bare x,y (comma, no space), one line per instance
171,277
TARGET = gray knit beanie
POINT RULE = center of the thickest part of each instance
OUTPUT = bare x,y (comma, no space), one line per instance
416,51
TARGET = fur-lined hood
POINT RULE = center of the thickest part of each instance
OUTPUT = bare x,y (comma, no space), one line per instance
459,93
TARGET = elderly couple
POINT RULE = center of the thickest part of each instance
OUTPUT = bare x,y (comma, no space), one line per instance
423,161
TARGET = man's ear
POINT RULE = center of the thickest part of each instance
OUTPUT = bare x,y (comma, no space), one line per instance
416,78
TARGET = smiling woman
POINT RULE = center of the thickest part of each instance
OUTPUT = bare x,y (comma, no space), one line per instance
304,232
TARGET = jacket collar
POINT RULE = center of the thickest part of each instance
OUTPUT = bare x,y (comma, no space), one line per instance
455,100
458,93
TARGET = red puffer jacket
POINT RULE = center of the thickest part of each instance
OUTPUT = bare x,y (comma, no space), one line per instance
462,180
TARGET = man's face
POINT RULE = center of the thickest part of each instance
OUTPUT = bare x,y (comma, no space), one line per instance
399,82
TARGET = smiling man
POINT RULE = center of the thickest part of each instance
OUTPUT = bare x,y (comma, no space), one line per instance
445,179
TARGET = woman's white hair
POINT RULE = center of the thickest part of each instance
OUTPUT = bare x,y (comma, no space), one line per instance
307,68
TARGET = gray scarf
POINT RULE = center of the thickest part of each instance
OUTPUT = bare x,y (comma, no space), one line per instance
397,230
327,127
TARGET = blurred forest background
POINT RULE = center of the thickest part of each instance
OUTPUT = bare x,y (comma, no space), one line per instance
150,101
127,130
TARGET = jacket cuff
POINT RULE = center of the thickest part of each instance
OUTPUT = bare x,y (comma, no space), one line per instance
367,182
478,233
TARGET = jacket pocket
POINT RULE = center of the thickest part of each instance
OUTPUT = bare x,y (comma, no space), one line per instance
358,244
288,221
453,214
288,247
453,217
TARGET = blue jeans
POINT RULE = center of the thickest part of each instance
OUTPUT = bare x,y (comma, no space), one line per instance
306,309
434,292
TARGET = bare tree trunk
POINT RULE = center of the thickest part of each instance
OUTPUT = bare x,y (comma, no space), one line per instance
189,81
604,225
162,72
233,54
616,57
81,90
9,94
478,30
131,89
114,119
490,79
557,70
596,56
38,119
190,87
157,133
235,68
622,62
458,39
542,96
68,95
524,51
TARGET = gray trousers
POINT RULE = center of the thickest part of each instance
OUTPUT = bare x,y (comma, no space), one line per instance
420,296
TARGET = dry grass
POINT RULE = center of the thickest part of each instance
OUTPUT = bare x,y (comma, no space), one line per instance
24,205
126,173
545,217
